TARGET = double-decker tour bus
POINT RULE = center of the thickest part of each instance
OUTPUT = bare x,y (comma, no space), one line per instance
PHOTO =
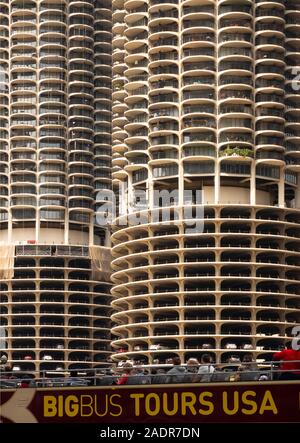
225,395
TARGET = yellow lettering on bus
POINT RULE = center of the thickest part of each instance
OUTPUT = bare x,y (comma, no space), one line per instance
268,404
156,409
137,397
188,400
203,402
115,404
249,402
71,406
166,409
86,405
50,409
235,403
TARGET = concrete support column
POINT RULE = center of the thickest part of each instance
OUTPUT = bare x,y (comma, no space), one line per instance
297,194
217,183
253,184
281,196
66,231
91,230
37,226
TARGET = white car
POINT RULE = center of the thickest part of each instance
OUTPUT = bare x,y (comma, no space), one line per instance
231,346
247,346
157,347
47,357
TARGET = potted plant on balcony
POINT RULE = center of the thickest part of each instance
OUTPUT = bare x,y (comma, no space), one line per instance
237,152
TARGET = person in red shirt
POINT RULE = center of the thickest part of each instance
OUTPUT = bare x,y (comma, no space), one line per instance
290,362
127,372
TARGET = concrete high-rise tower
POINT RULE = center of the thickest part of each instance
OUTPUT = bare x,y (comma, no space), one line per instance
55,61
206,97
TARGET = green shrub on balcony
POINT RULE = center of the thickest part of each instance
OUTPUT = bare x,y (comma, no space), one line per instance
241,152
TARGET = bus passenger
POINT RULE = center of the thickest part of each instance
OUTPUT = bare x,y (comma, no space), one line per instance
206,368
127,371
290,366
177,373
192,375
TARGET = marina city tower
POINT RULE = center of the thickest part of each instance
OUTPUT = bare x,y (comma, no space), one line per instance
54,158
206,102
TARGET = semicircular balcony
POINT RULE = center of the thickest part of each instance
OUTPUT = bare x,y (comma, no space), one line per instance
241,6
269,18
269,132
135,120
163,105
269,61
167,136
133,52
161,156
271,58
204,66
293,162
235,67
136,68
164,71
195,20
269,89
135,36
131,16
195,123
163,25
136,96
165,85
198,152
235,52
134,160
235,21
268,140
167,115
162,56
